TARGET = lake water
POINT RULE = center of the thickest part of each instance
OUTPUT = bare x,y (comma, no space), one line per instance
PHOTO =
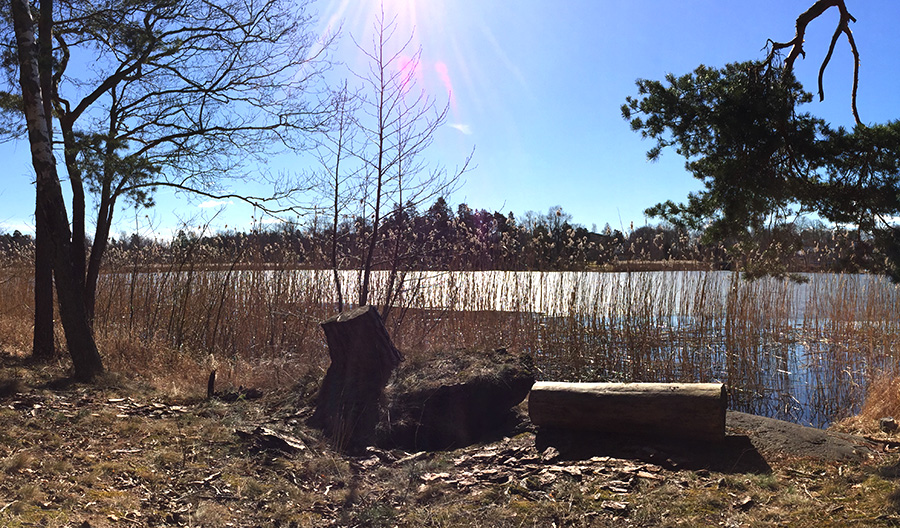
801,352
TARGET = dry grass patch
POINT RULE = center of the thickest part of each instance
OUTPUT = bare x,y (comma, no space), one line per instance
113,461
882,401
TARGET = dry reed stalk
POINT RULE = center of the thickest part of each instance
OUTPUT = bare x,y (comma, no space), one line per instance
882,400
637,326
259,322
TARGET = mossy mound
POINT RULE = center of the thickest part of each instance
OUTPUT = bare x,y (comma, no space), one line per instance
454,399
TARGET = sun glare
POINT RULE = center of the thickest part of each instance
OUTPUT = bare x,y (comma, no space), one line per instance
431,27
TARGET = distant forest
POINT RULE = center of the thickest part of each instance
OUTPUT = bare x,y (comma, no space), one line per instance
476,239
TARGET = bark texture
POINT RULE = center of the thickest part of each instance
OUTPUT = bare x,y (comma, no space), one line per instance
69,290
362,360
687,411
43,344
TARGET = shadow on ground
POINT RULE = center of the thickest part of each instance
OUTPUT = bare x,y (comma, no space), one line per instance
736,454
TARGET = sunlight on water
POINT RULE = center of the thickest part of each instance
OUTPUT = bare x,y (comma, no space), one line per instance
802,352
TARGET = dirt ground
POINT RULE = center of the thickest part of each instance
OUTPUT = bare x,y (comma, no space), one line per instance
118,454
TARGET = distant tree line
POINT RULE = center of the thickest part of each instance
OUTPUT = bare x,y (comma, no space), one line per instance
440,238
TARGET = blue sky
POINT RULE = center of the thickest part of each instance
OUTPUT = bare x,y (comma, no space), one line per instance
536,90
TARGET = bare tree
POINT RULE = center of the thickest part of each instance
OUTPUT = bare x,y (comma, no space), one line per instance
335,146
191,92
398,121
796,45
85,357
184,95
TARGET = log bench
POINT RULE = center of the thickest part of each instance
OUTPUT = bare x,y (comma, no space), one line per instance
685,411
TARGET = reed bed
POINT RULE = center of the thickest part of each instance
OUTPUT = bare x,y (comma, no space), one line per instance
16,306
805,352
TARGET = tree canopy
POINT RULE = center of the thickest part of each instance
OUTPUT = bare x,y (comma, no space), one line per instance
765,162
740,132
149,94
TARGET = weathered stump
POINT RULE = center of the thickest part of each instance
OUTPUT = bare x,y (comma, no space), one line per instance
362,359
693,411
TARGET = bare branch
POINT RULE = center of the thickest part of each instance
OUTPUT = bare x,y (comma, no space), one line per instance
796,45
263,203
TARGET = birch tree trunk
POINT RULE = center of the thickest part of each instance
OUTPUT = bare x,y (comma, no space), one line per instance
69,290
43,345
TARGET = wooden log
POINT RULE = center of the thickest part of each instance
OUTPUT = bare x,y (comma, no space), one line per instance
692,411
362,359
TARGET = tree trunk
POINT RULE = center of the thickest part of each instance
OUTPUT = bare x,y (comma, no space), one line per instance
693,411
362,359
95,261
43,346
78,245
342,124
107,207
69,288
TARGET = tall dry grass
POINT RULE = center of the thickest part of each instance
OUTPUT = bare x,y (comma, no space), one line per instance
882,400
16,307
804,352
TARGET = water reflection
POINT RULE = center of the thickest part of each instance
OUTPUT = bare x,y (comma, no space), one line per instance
799,352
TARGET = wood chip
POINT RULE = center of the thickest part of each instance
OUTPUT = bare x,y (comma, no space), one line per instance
744,504
413,457
614,505
270,439
550,454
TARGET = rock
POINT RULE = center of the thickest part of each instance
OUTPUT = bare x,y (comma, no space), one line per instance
457,400
773,437
887,424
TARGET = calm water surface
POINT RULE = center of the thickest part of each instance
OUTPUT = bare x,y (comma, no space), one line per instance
801,352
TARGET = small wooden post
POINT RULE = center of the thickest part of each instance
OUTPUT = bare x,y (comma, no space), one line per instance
693,411
211,384
362,359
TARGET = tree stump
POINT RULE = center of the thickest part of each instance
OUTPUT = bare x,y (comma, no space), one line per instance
362,359
692,411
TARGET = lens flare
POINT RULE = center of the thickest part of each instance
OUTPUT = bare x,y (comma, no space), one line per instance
444,75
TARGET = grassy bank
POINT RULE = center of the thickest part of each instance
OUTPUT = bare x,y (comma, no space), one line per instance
123,454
